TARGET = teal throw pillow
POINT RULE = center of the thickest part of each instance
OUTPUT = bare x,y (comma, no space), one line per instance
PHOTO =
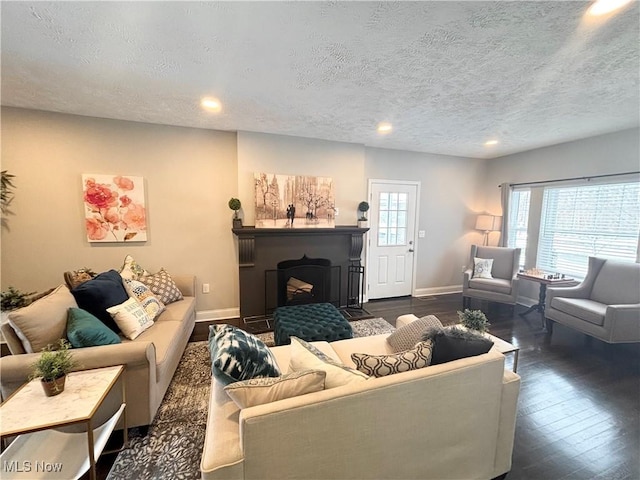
238,355
85,330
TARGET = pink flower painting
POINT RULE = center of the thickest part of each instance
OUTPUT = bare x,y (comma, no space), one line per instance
114,208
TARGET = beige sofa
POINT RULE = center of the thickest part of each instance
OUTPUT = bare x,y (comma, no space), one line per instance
151,359
448,421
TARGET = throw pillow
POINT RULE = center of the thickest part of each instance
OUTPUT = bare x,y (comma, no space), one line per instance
131,318
147,299
74,278
85,330
381,365
257,391
43,321
482,267
131,270
162,285
305,356
238,355
406,337
452,343
100,293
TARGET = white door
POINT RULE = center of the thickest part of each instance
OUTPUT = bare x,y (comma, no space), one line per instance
392,222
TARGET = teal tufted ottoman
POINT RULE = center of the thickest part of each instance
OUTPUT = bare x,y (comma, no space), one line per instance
312,322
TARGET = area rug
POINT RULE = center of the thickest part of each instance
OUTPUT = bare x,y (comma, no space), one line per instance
173,445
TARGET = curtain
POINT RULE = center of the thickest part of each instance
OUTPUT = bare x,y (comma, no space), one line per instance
505,195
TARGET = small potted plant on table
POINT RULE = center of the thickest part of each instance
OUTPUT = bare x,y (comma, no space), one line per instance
474,320
52,368
234,204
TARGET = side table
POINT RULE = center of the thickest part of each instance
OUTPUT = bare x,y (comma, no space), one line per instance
39,451
542,294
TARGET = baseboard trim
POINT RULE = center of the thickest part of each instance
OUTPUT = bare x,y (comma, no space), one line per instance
425,292
221,314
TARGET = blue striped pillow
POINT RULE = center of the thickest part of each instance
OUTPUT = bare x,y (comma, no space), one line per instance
238,355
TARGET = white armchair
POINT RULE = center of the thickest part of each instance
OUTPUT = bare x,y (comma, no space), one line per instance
503,287
606,305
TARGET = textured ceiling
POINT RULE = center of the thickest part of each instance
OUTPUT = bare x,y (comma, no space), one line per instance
448,75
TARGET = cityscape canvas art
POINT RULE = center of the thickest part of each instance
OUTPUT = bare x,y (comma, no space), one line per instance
114,208
294,201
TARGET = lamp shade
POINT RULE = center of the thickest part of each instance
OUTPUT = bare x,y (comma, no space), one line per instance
488,223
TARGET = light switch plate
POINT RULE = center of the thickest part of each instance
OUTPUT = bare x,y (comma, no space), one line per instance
421,234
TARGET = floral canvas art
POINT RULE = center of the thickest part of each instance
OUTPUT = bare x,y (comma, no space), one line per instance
114,208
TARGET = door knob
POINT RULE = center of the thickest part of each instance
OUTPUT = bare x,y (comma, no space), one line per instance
411,250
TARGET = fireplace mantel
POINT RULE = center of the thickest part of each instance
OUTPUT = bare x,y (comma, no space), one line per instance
247,239
260,250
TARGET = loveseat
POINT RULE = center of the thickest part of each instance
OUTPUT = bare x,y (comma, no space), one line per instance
151,359
454,420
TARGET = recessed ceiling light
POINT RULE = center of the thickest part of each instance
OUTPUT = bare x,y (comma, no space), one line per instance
211,104
602,7
490,143
384,128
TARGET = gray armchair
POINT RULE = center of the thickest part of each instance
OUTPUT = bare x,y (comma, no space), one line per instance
503,287
606,305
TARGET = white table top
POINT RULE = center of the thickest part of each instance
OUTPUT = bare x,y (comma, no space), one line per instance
28,409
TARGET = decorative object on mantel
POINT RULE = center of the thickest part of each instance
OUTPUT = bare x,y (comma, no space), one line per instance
363,208
294,201
474,320
235,204
52,367
114,208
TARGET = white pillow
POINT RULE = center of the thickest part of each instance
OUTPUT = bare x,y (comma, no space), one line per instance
305,356
482,267
131,318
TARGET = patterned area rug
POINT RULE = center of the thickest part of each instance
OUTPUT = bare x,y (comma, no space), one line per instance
173,445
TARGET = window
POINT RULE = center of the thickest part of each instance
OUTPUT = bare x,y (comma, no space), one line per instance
519,221
590,220
392,219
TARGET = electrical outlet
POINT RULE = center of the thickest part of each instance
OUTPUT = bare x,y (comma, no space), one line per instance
205,288
464,267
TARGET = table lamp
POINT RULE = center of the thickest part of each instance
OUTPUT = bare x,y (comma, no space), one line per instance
488,223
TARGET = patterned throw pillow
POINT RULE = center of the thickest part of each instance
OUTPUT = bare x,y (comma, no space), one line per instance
238,355
130,318
163,286
147,299
482,267
257,391
382,365
305,356
406,337
130,269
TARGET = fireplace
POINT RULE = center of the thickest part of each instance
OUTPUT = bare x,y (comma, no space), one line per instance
307,280
261,250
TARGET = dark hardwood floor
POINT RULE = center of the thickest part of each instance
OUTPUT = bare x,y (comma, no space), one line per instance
579,406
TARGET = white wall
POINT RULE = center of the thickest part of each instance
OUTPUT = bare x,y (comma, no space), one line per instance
286,155
617,152
449,201
190,174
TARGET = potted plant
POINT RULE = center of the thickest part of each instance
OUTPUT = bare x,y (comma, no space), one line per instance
234,204
474,320
6,190
52,367
13,299
363,208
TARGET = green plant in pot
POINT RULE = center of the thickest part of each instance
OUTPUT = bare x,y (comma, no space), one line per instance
363,208
474,320
234,204
52,367
12,299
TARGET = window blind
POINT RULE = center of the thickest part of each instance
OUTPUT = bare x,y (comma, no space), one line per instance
591,220
519,221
